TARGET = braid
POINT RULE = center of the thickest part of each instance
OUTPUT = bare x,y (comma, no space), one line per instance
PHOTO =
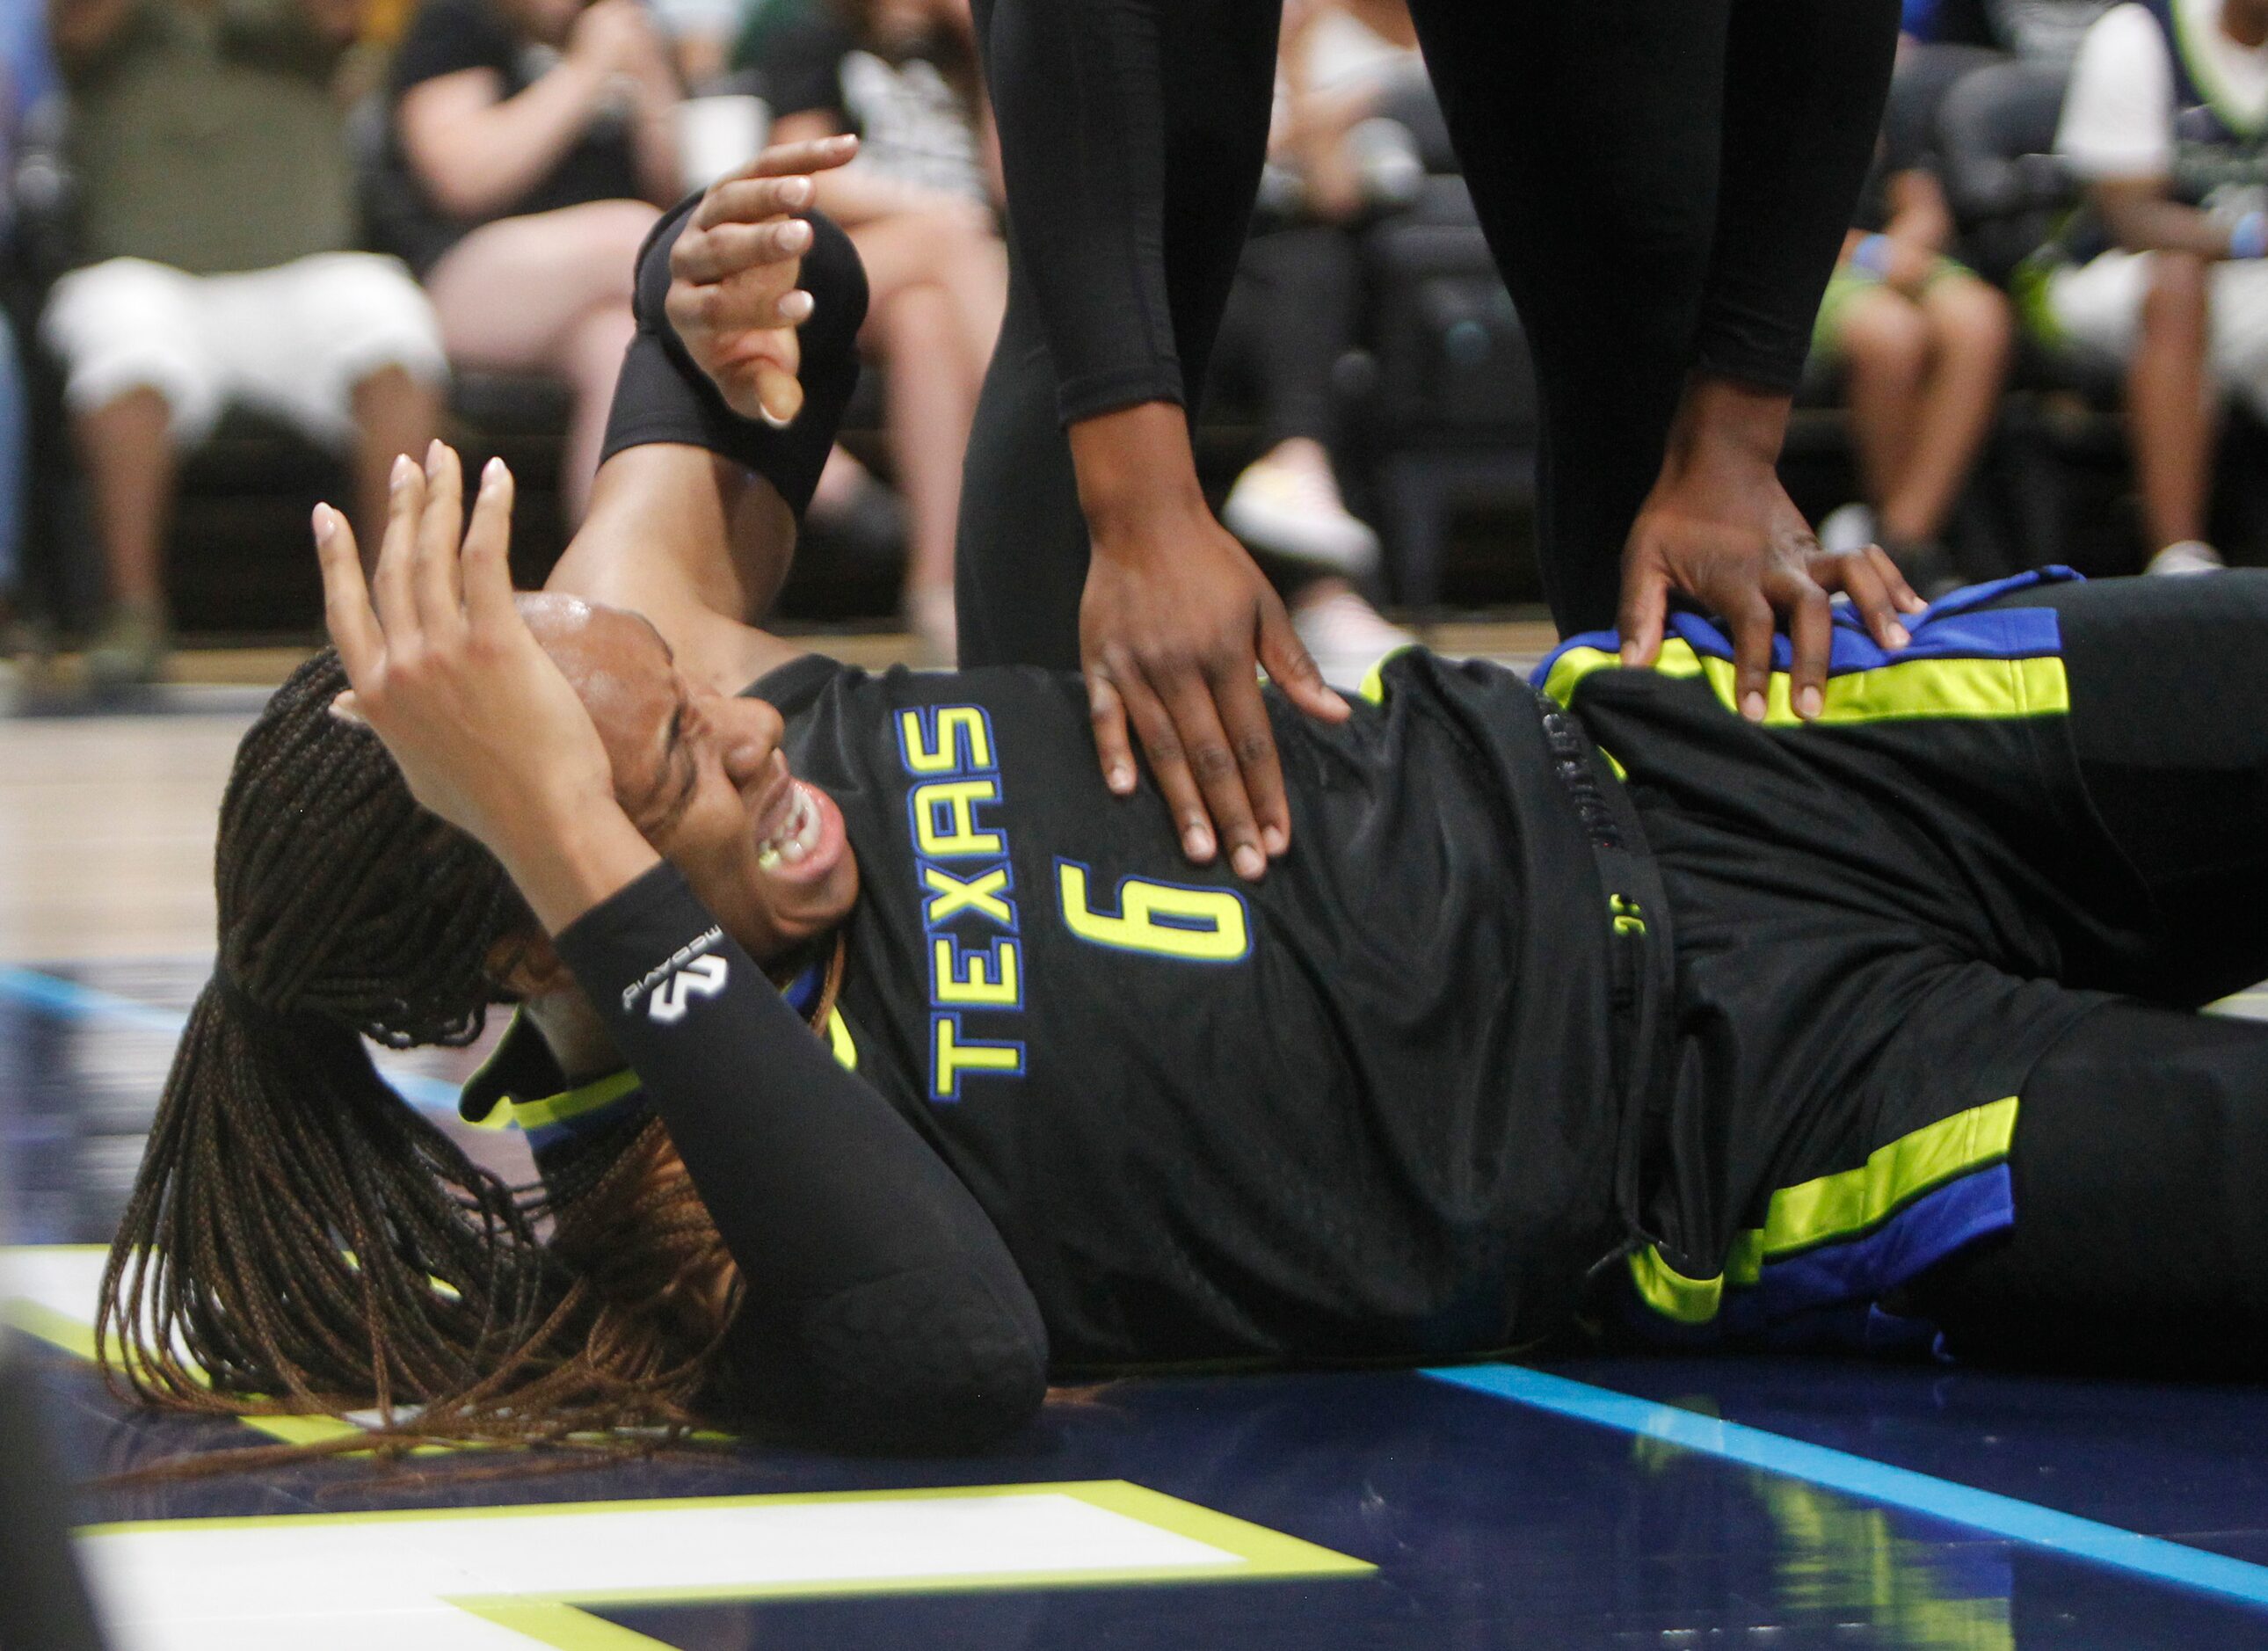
298,1239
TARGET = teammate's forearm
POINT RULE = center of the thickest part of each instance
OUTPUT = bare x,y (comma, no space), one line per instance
1134,466
1076,98
1804,89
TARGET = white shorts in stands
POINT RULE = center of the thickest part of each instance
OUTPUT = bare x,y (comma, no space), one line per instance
2098,307
293,341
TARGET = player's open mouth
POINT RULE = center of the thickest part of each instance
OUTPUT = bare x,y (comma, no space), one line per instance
802,833
794,830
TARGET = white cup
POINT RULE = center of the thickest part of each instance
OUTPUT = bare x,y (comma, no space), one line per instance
717,134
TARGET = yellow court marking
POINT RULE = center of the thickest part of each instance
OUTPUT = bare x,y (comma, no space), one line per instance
541,1570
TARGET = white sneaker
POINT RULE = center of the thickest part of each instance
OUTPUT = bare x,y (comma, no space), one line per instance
1345,637
1848,528
2186,555
1295,512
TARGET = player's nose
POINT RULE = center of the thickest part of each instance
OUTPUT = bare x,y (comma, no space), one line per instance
751,733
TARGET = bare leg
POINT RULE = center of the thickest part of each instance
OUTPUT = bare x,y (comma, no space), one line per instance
128,448
1969,334
2168,413
393,414
1886,341
592,361
930,403
548,293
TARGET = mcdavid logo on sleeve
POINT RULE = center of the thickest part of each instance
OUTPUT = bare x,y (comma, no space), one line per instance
691,971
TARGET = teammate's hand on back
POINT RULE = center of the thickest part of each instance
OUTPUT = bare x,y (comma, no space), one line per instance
1174,619
1719,526
733,292
485,729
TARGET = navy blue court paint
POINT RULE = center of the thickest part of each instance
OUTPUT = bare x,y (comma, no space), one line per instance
1874,1481
69,1000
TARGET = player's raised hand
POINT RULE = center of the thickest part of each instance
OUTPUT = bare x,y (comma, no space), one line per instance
733,292
444,669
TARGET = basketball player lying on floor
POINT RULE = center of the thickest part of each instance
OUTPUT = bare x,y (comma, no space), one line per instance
1597,1009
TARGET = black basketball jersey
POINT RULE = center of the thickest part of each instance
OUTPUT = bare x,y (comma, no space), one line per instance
1364,1108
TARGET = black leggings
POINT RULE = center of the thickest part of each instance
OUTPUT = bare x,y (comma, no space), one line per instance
2140,1157
1664,183
1289,322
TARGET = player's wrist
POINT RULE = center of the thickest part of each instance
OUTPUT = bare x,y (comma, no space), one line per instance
566,859
1137,473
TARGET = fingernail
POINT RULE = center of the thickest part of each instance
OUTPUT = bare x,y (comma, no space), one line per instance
1274,840
796,236
1900,635
1752,707
1249,862
323,527
1629,653
1809,703
491,474
433,457
1121,777
796,307
797,191
1197,842
404,468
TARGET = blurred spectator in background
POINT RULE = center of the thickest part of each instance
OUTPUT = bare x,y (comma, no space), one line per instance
1924,345
701,34
531,144
919,204
215,207
1349,86
2164,121
2037,31
26,74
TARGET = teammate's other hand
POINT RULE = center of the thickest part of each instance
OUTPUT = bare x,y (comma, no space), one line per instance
1719,526
733,292
1175,620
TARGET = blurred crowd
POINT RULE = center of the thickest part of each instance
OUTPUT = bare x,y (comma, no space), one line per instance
332,211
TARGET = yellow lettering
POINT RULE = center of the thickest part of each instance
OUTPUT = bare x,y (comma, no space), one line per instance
957,799
960,728
954,1057
960,977
978,896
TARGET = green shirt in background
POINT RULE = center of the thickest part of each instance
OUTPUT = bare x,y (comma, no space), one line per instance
210,139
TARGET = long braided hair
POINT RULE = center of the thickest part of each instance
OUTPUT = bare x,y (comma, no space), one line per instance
298,1240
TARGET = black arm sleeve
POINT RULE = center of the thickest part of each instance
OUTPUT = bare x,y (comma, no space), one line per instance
1131,136
1805,83
663,396
883,1312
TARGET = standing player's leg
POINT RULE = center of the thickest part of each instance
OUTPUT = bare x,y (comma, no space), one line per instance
2168,687
1179,95
2141,1241
1589,137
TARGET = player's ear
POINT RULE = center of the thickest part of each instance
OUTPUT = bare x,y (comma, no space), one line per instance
528,966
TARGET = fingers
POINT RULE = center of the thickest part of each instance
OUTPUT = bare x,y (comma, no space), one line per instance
436,581
1644,608
779,395
1752,638
488,550
1894,580
1213,762
1161,741
1811,634
1106,711
705,256
812,154
347,613
1861,576
1293,669
1257,796
390,587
